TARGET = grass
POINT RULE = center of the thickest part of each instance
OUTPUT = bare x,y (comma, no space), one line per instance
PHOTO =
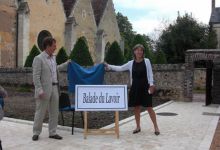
24,88
199,90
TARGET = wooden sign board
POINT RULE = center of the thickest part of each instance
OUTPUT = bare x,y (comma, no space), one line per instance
101,98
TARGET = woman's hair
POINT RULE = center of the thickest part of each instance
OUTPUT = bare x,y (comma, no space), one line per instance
48,41
136,47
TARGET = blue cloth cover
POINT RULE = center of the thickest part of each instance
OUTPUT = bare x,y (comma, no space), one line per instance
84,76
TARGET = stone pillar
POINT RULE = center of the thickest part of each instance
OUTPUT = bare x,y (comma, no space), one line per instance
23,33
100,46
188,81
70,35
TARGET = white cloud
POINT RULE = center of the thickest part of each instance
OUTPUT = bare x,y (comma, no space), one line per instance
156,10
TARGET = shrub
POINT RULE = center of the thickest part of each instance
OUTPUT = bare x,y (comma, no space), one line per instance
61,56
114,55
80,53
29,60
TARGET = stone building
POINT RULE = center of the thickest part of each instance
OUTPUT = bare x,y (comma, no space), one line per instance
215,21
26,22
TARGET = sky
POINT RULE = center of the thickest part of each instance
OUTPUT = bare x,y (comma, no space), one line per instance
151,16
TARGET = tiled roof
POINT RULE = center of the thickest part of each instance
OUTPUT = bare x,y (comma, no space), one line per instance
98,8
68,6
215,16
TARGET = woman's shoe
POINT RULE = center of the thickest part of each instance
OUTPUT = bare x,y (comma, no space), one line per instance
136,131
156,132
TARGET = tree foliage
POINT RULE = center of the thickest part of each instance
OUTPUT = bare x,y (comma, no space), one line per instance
125,28
130,37
29,60
61,56
114,54
126,32
160,57
80,53
185,33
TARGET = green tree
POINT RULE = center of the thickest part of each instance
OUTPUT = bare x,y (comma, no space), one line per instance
80,53
160,57
61,56
114,54
29,60
126,32
185,33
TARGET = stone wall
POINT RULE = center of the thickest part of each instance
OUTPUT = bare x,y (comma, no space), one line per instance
169,79
199,78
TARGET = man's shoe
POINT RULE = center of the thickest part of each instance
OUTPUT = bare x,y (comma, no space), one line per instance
56,136
35,137
0,145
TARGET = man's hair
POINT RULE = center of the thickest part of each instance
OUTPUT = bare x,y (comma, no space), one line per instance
48,41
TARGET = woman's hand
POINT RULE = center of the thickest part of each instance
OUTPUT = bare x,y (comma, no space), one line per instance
106,66
151,89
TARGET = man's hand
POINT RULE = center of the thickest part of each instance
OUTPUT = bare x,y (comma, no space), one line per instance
41,95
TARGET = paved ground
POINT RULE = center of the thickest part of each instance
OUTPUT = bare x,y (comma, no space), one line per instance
216,139
192,128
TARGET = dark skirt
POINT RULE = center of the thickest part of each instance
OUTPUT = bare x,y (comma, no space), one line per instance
139,96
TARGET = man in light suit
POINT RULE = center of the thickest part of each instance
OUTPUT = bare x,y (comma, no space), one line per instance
45,78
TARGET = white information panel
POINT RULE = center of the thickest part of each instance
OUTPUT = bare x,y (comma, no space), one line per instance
101,98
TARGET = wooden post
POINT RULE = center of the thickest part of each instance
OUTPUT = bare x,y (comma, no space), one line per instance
117,124
111,131
85,125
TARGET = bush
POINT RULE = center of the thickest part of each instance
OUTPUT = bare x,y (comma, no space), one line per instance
29,60
114,55
80,53
61,56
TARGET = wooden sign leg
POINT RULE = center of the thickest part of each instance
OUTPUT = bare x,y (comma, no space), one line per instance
85,124
117,124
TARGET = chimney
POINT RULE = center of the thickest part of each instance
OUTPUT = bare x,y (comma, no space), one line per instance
213,5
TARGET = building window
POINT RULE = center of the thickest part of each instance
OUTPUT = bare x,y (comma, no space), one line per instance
41,37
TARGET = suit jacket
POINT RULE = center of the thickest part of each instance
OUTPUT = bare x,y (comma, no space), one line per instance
42,75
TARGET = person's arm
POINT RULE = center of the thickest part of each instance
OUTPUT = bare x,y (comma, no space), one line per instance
37,75
119,68
150,77
63,65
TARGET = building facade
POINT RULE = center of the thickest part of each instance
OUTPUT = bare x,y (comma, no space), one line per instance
27,22
215,21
